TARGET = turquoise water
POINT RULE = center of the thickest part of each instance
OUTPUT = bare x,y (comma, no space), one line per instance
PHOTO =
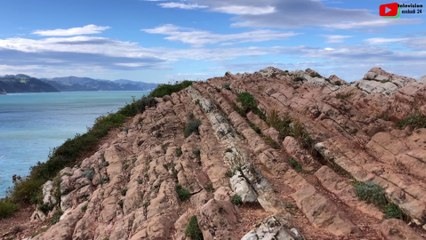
31,124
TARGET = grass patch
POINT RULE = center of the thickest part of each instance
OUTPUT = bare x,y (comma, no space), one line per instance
299,132
182,193
168,89
282,125
375,194
393,211
295,165
286,126
56,216
68,154
271,142
237,200
191,127
415,121
7,208
248,103
371,193
192,230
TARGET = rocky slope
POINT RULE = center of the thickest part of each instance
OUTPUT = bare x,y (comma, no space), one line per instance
298,185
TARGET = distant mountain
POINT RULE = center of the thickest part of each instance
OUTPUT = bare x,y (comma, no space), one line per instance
24,83
88,84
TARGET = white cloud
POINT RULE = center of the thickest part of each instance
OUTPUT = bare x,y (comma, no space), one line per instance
369,23
385,40
181,5
85,30
200,38
298,13
245,10
336,38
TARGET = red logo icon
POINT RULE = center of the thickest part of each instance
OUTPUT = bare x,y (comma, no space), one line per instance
389,9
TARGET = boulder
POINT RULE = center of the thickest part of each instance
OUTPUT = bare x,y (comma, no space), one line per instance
273,228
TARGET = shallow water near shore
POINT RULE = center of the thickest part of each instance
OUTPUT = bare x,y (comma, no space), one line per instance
32,124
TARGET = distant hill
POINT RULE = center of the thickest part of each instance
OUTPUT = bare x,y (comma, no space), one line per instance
88,84
24,83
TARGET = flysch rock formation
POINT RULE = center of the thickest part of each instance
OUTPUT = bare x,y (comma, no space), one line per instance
127,189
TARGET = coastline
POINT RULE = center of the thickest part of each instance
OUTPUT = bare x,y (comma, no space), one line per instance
44,126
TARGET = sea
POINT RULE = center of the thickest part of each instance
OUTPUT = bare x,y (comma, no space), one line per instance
32,124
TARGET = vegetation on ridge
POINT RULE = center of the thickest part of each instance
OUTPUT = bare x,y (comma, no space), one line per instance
193,230
415,120
182,193
191,127
248,103
7,208
28,191
375,194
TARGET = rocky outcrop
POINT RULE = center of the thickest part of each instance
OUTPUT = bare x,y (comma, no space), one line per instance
379,81
293,161
272,228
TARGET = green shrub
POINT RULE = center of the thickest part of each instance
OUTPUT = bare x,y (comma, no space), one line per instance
393,211
56,216
168,89
299,132
193,230
271,142
7,208
282,125
89,173
415,120
28,191
138,106
182,193
248,103
178,152
45,208
295,165
237,200
191,126
371,193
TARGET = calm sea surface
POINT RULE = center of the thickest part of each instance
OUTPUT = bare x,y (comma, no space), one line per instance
31,124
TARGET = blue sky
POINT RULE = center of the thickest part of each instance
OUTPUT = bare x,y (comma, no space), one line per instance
165,41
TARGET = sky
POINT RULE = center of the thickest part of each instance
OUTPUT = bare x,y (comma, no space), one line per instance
167,41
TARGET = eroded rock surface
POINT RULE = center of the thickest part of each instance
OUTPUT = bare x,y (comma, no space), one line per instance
301,176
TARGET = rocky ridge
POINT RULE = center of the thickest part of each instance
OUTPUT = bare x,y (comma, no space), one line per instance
291,186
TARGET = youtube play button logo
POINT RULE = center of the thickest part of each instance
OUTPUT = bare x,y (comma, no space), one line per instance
389,10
